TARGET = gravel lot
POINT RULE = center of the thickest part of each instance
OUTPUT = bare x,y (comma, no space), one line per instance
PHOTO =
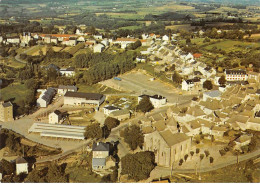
138,83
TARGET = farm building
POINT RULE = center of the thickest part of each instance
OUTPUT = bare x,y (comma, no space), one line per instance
62,89
58,131
45,98
83,99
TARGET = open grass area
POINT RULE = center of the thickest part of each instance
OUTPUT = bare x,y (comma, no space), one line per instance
230,45
15,91
97,88
129,102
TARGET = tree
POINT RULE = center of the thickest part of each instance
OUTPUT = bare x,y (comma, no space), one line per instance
133,136
111,122
222,152
186,157
180,162
197,150
139,165
145,105
176,78
188,41
31,84
222,80
7,167
191,153
206,153
201,157
93,131
207,85
211,160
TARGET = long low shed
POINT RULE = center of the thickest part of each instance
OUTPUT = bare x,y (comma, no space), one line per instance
59,131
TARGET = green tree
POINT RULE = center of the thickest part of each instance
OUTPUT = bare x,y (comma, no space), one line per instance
7,167
207,85
93,131
133,136
31,84
197,150
111,122
138,166
211,160
145,105
222,80
176,78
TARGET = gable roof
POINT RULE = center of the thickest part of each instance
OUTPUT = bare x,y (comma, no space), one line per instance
72,87
7,104
20,160
173,139
88,96
100,147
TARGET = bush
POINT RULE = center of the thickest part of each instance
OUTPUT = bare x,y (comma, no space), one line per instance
111,123
186,157
197,150
180,162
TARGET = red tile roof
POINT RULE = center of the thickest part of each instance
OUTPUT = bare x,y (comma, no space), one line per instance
197,55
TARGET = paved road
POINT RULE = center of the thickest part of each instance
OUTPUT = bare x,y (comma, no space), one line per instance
163,172
17,57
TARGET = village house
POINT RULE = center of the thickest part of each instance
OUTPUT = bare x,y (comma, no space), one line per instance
21,166
124,42
6,111
109,109
98,37
68,72
254,76
45,98
98,48
54,40
80,39
157,100
100,153
121,114
62,89
165,38
253,124
191,84
55,117
236,75
243,140
13,40
169,148
83,99
141,59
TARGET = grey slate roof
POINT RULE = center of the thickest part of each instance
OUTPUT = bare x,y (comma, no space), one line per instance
48,95
88,96
20,160
236,72
111,108
7,104
98,162
100,147
68,87
214,93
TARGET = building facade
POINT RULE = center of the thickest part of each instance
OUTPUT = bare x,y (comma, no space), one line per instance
83,99
6,111
236,75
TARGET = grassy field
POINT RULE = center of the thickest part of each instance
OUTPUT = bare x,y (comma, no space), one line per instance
230,45
36,50
97,88
14,91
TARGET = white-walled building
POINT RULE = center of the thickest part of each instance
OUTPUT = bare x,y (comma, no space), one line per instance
62,89
98,48
236,75
124,42
165,38
45,97
83,99
156,100
109,109
68,72
55,117
21,166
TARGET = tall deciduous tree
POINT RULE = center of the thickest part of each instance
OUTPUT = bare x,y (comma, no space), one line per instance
133,136
145,105
93,131
138,166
